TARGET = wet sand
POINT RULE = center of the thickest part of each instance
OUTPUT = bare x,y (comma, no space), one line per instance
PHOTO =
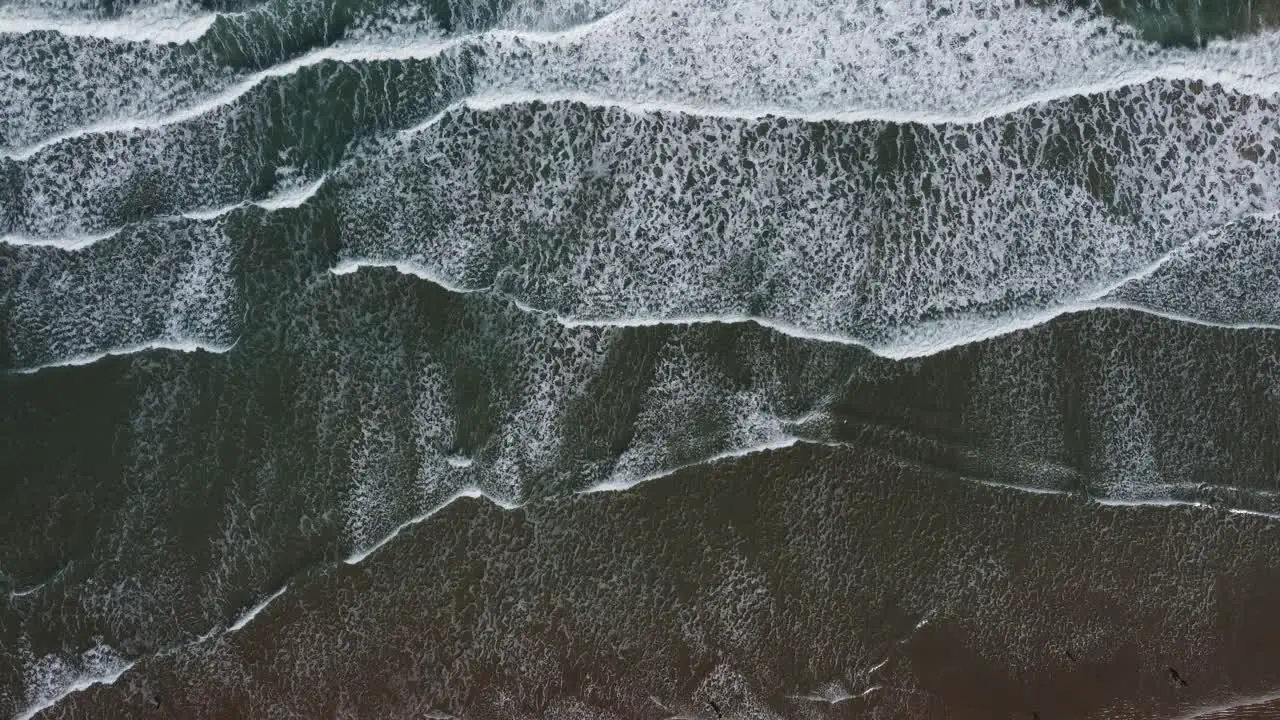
810,582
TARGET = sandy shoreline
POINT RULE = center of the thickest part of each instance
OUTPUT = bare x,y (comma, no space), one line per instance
805,582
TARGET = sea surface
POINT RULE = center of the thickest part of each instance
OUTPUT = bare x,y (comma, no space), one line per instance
596,359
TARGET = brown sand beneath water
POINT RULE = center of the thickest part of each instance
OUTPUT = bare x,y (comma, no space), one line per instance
774,585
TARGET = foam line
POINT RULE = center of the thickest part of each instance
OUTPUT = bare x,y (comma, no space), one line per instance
1152,502
834,698
68,242
1182,318
252,612
348,267
1173,71
616,484
421,50
1019,488
985,330
81,683
496,100
359,556
285,199
174,345
1253,513
290,198
135,27
1235,704
28,591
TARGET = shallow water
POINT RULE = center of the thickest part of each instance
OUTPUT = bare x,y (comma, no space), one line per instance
309,305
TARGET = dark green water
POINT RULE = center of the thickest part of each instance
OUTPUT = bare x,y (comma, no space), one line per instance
278,278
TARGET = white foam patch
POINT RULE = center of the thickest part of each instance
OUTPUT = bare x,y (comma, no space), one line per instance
1238,706
253,612
512,404
1254,513
833,694
347,267
689,412
946,59
418,48
172,345
292,195
1035,490
70,243
628,482
169,22
127,72
739,28
1154,502
460,462
51,679
932,340
877,77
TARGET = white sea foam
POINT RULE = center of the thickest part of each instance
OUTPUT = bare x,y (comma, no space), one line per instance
1018,487
981,258
1222,709
26,592
185,346
162,285
162,23
51,679
936,340
900,327
460,462
1153,502
605,61
947,60
252,612
360,555
833,695
70,242
286,198
347,267
1254,513
357,52
626,483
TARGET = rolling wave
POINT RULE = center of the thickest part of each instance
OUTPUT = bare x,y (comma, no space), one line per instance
393,395
905,238
64,87
1241,250
915,63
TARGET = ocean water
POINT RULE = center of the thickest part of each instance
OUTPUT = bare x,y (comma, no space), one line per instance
618,358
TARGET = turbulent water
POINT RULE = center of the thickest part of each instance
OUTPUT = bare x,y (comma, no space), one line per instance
279,280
